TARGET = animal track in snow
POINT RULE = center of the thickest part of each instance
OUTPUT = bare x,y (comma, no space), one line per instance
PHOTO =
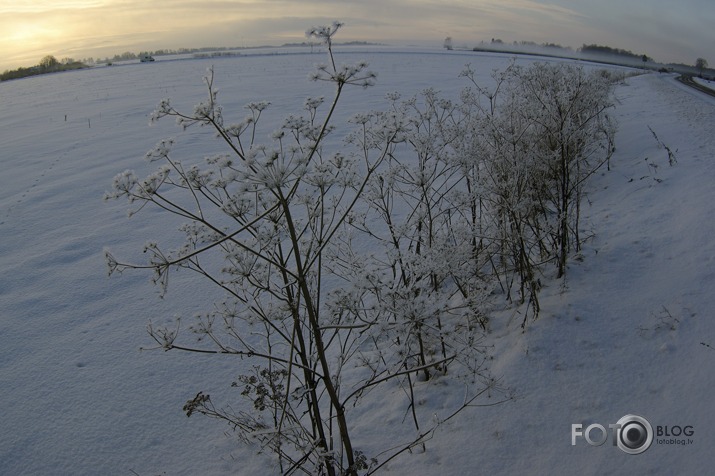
29,189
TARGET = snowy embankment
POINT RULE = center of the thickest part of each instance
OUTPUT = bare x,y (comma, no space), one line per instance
623,333
706,83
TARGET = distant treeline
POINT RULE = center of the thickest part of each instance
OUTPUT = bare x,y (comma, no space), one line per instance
200,52
529,44
345,43
128,55
48,64
533,47
607,50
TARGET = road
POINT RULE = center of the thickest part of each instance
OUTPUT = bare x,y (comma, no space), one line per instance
688,80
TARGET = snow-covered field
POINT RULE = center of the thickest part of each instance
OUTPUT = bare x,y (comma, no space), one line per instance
628,331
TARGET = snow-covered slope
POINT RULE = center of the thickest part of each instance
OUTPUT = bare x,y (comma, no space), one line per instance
622,334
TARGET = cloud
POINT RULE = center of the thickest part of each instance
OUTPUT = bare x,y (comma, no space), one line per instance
47,6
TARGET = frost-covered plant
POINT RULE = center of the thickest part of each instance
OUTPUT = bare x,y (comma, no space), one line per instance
480,192
270,224
425,281
569,113
543,131
453,199
672,159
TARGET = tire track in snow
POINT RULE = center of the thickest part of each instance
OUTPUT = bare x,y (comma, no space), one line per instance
688,80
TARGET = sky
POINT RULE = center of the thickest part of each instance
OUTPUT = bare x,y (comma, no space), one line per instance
666,30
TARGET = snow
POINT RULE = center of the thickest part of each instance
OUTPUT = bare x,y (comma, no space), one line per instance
621,334
705,82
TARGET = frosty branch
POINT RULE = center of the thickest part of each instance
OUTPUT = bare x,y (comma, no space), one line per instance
266,224
455,200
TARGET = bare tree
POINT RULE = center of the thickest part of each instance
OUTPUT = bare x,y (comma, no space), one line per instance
701,64
49,62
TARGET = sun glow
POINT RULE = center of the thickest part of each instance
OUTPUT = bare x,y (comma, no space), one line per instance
31,35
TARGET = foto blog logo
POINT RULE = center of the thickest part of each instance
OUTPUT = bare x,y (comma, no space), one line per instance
632,434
